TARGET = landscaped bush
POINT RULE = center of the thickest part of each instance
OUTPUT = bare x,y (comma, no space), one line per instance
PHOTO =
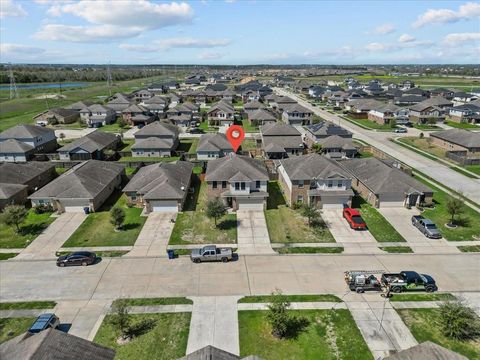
458,321
42,209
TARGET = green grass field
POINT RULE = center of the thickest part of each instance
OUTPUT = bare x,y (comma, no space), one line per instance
12,327
22,305
155,301
291,298
397,249
309,250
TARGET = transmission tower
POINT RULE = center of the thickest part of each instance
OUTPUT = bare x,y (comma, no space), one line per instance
109,79
13,85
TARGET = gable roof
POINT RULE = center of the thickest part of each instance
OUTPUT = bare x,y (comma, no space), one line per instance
278,129
23,173
254,104
79,105
335,141
364,104
222,106
153,143
431,102
9,190
134,108
214,142
281,143
381,178
14,146
290,108
158,128
53,344
85,181
327,128
25,131
96,140
261,114
461,137
307,167
163,180
426,351
225,168
212,353
63,112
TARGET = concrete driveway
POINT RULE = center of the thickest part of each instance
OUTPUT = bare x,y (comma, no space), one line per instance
252,233
155,234
52,239
400,218
354,241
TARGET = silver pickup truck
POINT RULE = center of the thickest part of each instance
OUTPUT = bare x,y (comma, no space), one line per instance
426,226
211,253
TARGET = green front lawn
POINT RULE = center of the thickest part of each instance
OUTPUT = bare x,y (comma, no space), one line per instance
6,256
12,327
422,297
155,301
33,226
194,227
291,298
423,323
115,127
368,124
473,248
309,250
473,168
327,334
426,127
247,127
97,230
166,339
468,224
249,144
397,249
378,226
22,305
461,125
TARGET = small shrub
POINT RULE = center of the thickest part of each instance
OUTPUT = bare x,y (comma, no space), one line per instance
120,319
458,321
42,209
117,217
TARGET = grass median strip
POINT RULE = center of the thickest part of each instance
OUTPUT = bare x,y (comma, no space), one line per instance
472,248
291,298
24,305
422,297
6,256
155,301
309,250
397,249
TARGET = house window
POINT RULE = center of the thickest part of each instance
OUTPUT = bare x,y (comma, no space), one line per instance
237,186
224,184
300,183
257,184
300,198
242,186
214,184
339,184
134,198
330,183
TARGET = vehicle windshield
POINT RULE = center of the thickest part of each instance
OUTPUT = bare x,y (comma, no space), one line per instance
424,279
430,226
357,219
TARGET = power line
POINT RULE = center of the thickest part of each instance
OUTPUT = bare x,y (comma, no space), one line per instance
109,79
13,85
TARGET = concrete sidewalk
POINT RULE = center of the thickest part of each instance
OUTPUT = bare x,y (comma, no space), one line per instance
47,244
154,236
252,233
214,322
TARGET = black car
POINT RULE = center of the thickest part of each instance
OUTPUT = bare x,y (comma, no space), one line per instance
82,258
196,131
43,322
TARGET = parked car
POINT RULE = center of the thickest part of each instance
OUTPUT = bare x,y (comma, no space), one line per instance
408,281
409,124
196,131
43,322
400,130
426,226
211,253
82,258
354,219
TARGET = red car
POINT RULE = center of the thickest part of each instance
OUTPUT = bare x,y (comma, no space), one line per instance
354,219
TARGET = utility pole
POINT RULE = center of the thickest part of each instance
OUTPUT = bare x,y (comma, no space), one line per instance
13,85
109,80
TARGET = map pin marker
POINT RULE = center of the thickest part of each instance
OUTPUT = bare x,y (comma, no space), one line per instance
235,136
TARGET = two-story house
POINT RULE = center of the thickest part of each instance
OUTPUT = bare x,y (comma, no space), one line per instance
383,114
240,181
467,113
296,114
221,114
98,115
155,104
315,180
280,140
41,139
117,103
432,109
138,115
212,146
156,139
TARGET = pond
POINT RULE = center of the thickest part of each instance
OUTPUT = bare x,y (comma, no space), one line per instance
46,85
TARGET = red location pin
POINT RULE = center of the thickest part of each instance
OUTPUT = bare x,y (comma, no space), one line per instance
235,136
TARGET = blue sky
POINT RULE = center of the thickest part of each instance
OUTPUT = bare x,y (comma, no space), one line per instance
239,32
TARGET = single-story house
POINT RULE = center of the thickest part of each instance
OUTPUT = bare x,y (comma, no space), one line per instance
12,150
86,185
315,179
42,139
280,140
212,146
79,105
155,104
91,146
359,108
316,132
160,187
12,194
252,106
57,116
458,140
426,351
240,181
337,147
34,174
382,185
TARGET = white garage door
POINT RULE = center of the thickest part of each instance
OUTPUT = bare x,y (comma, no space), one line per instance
74,209
332,206
164,206
250,204
391,204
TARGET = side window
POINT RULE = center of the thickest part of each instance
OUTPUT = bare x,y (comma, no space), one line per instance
224,184
214,184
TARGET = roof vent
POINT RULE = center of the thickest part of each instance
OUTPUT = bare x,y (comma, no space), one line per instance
183,188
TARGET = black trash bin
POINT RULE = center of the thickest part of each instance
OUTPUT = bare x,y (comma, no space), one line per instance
86,210
171,254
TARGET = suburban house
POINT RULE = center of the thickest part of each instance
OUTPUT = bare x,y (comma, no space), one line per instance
91,146
467,113
382,185
155,104
280,140
316,132
338,147
79,105
19,180
252,106
143,94
212,146
160,187
240,181
457,140
183,114
57,116
12,150
97,115
315,180
280,102
261,117
359,108
86,185
118,103
221,113
138,115
157,139
296,114
433,108
42,139
384,113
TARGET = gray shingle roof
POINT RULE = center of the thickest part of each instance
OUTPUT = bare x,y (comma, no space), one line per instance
94,141
364,104
153,143
25,132
278,129
222,106
261,114
307,167
253,105
275,143
381,178
84,181
335,141
461,137
327,128
214,142
158,128
162,181
223,169
14,146
8,190
212,353
23,173
291,108
433,101
426,351
55,345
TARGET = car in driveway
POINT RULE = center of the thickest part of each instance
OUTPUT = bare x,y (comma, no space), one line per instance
43,322
79,258
354,219
426,226
196,131
211,253
400,130
408,281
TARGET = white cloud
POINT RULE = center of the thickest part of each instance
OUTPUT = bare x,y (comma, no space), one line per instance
384,29
458,39
378,47
384,47
10,8
466,11
210,56
8,49
405,38
166,44
114,21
